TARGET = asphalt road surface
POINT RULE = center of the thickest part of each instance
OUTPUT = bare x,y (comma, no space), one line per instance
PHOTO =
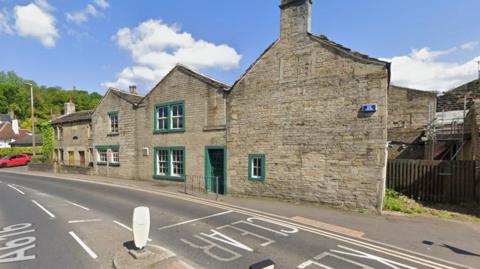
54,223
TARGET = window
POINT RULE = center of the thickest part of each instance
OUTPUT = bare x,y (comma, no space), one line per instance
169,117
170,163
256,167
102,156
177,116
177,163
115,156
113,122
162,118
162,162
59,133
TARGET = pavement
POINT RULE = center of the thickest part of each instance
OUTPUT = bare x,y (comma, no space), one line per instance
75,221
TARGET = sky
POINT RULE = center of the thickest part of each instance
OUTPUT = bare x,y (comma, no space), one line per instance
95,44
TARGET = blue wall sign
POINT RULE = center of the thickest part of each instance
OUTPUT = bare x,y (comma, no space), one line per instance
369,108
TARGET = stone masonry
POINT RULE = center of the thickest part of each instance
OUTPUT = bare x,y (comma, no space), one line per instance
204,108
126,106
300,105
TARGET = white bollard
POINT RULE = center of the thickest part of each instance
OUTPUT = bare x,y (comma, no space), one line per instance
141,226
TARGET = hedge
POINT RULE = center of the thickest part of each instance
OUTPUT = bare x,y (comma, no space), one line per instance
15,150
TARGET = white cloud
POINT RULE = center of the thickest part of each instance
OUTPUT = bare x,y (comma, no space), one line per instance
84,15
5,22
424,69
102,3
36,21
156,48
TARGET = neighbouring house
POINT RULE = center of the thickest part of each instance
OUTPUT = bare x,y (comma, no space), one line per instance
27,141
181,130
454,131
114,134
409,113
10,132
5,118
73,137
308,120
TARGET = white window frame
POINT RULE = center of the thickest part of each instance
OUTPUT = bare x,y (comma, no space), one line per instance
115,156
162,118
176,164
176,118
100,155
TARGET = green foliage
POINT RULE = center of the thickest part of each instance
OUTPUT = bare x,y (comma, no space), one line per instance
15,150
396,201
48,101
48,140
39,159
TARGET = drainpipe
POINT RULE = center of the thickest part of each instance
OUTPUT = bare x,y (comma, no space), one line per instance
381,194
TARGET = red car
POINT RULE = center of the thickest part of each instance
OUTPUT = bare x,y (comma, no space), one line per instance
15,160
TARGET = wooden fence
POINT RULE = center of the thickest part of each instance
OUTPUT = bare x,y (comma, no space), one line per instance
435,181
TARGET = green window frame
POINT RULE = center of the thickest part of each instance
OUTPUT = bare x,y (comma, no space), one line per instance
169,117
256,167
113,118
169,163
104,149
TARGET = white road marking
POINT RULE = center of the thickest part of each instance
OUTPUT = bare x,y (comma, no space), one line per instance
127,228
378,246
83,245
84,220
193,220
16,189
44,209
77,205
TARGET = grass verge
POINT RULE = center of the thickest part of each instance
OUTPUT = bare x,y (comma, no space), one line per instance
395,201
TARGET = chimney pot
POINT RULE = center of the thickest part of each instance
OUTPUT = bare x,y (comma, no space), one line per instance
296,18
133,89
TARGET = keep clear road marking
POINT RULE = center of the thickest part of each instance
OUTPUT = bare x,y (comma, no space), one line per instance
44,209
83,245
127,228
77,205
84,220
193,220
16,189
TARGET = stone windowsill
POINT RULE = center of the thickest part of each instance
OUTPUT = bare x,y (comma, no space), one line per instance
214,128
113,134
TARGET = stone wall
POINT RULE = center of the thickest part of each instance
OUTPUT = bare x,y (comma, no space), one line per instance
204,107
77,136
300,106
125,139
409,108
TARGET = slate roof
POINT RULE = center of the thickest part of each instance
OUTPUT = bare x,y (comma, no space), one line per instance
5,118
27,141
85,115
454,99
6,131
133,99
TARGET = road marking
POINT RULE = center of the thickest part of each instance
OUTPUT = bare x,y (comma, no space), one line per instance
327,226
127,228
193,220
378,246
83,245
44,209
16,189
84,220
77,205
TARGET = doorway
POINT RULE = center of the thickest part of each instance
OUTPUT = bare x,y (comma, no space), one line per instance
71,158
215,166
81,155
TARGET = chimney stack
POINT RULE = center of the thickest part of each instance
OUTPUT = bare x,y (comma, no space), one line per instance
69,108
296,18
133,89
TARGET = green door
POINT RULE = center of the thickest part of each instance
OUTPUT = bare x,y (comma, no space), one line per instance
215,167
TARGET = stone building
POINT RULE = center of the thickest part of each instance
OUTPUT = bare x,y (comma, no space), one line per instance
181,130
114,123
409,113
295,124
73,137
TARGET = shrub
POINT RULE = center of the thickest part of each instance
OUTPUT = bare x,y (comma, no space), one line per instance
15,150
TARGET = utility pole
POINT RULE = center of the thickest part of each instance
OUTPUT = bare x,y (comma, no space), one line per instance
478,62
33,118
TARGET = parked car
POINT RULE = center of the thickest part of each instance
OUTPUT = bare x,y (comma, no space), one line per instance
15,160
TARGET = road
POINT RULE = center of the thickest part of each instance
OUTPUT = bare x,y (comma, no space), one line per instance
55,223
